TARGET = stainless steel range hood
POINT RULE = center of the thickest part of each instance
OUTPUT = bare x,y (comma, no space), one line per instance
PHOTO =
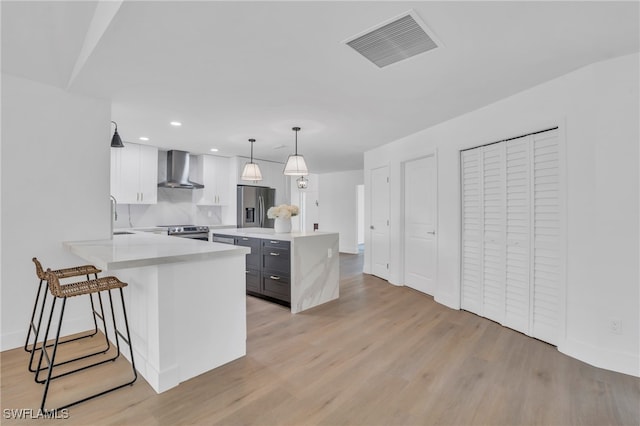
178,171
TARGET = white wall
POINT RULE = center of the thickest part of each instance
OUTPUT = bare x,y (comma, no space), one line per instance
339,206
55,187
597,111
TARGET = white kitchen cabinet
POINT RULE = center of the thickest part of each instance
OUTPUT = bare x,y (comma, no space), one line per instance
214,174
134,174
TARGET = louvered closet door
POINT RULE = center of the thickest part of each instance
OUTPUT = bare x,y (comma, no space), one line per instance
546,271
518,194
493,212
511,234
471,274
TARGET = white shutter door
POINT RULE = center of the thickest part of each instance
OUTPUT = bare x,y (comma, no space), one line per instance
518,196
493,212
471,271
546,271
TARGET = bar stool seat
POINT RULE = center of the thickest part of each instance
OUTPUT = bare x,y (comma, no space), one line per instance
65,291
34,326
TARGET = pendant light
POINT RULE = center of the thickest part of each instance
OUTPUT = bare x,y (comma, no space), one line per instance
116,142
302,183
296,165
251,170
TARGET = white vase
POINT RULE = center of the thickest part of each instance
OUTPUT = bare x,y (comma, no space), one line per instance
282,225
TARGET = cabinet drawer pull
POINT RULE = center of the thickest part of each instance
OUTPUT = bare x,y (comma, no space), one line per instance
274,277
245,239
274,242
274,254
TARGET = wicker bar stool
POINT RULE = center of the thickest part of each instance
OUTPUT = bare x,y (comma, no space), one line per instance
33,329
64,291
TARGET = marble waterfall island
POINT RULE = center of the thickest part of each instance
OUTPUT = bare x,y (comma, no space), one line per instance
185,301
313,268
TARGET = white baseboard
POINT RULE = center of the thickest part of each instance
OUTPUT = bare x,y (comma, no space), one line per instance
601,357
16,339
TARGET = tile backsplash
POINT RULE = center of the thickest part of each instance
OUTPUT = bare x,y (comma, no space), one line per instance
174,207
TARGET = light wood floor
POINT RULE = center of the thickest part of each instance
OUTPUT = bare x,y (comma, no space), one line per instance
380,355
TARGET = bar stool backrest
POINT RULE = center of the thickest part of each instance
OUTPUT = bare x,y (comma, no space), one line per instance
39,271
54,283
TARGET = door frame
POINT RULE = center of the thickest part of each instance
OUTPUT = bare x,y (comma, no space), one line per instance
403,163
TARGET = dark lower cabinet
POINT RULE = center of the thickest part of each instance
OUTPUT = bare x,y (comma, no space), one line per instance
276,286
268,268
253,280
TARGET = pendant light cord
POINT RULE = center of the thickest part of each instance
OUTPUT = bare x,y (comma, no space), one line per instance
296,129
252,141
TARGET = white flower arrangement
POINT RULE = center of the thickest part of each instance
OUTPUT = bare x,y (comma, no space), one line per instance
283,211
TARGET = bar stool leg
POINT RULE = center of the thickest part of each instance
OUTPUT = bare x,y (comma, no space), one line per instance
101,351
55,349
118,334
36,329
32,326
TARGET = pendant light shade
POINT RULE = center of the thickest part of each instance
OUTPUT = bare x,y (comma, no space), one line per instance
251,170
296,166
116,142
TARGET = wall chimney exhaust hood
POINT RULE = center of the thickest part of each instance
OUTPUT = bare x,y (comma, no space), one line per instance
178,171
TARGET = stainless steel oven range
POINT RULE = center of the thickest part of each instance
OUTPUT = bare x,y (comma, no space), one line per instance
188,231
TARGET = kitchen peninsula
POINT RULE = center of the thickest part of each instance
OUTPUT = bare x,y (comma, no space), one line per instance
299,269
185,301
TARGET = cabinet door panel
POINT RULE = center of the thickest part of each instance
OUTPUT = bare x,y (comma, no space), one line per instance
253,280
276,286
253,258
148,174
276,260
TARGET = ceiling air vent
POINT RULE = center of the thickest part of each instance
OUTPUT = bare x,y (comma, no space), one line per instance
395,40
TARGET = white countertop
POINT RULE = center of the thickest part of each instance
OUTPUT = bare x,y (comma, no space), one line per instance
144,249
268,233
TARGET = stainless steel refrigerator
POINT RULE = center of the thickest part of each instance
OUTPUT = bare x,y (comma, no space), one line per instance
253,203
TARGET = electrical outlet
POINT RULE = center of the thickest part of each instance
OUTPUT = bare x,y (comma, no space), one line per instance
615,325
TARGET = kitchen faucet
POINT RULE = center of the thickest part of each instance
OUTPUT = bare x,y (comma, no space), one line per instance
114,204
114,213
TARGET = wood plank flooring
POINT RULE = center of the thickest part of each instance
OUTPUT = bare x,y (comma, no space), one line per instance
380,355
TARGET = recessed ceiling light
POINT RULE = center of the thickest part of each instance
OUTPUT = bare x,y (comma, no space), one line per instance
214,150
144,138
176,123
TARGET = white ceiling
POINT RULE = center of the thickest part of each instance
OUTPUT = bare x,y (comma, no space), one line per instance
231,71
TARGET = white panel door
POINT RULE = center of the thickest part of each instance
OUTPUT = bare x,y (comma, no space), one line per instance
420,224
493,214
471,271
379,227
546,271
